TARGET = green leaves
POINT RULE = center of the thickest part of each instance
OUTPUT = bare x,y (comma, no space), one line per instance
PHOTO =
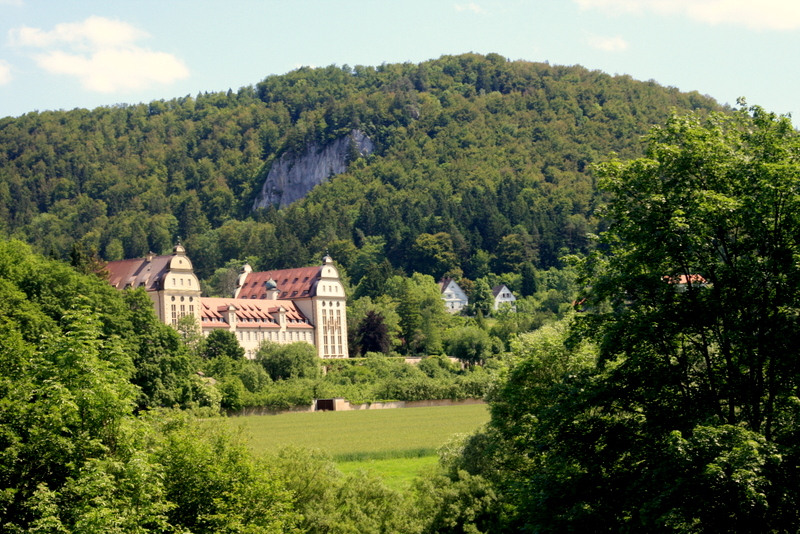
686,420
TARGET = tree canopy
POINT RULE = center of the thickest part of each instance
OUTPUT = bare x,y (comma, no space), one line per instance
684,417
480,163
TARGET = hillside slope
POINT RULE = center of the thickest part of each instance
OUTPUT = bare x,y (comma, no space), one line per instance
480,164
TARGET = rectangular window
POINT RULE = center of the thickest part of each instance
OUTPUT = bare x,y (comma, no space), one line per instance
248,336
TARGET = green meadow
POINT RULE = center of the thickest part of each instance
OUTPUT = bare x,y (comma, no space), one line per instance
395,443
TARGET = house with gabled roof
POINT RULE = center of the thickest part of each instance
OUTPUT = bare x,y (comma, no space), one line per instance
282,306
169,280
455,299
316,292
503,296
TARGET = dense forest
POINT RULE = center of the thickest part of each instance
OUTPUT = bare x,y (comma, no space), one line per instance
481,166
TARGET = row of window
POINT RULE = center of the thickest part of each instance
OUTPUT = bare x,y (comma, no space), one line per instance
274,336
330,328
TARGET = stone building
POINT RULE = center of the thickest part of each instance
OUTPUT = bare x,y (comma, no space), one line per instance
284,306
316,292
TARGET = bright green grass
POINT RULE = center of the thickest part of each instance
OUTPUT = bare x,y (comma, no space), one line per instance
397,473
365,434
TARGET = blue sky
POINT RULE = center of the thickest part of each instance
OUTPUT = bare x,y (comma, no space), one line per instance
63,54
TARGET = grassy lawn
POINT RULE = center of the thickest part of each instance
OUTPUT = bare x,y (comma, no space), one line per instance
397,473
394,443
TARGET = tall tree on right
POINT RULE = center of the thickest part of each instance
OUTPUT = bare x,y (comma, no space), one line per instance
689,420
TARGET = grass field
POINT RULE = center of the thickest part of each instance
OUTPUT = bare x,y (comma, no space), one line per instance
364,434
397,473
395,444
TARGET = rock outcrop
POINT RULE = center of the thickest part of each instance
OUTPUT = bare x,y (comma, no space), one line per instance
291,177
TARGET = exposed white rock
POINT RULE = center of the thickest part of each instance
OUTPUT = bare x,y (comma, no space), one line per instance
291,177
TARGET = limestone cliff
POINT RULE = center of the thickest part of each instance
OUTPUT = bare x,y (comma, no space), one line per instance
292,176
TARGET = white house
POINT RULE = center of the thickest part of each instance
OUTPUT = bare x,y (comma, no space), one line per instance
454,297
503,295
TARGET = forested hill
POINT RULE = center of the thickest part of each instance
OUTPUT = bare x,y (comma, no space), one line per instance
480,164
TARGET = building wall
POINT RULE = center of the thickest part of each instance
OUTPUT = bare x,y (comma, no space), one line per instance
251,338
454,297
504,296
330,314
177,294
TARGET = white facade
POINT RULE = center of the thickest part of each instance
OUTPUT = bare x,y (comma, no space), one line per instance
504,296
455,300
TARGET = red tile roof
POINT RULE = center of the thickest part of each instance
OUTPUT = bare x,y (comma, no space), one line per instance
251,313
139,272
292,283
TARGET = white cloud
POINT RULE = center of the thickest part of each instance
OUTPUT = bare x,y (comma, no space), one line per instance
608,44
760,15
5,72
475,8
17,3
101,53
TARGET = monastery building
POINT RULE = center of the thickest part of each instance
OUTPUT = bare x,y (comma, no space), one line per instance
306,304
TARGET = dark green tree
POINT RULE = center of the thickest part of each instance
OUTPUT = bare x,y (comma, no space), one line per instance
529,280
481,299
222,343
688,420
162,363
373,334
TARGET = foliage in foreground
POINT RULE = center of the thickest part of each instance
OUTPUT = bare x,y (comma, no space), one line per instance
683,415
